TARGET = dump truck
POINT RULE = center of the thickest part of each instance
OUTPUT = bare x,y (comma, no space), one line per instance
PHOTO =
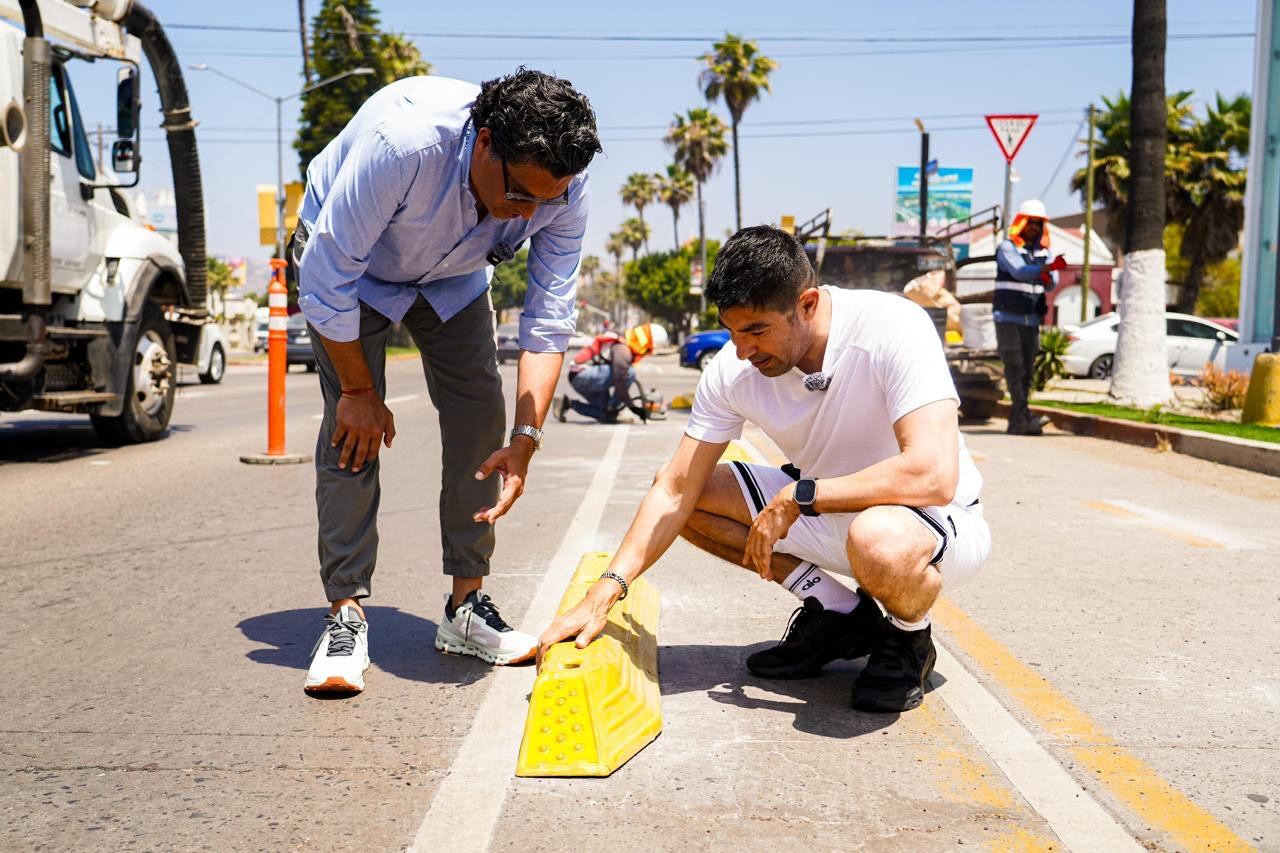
890,264
96,309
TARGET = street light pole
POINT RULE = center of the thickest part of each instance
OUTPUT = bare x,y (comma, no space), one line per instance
924,180
280,99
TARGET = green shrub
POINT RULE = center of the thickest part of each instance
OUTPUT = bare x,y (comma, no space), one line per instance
1048,364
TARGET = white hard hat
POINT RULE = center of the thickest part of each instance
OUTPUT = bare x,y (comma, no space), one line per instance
1033,207
660,338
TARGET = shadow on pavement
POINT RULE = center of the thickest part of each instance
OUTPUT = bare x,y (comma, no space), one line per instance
401,644
820,705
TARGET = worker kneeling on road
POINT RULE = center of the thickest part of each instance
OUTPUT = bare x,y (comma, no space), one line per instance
604,371
853,386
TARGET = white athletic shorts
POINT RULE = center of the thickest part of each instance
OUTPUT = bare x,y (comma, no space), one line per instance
964,540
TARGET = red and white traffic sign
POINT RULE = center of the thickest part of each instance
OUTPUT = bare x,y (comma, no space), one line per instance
1010,132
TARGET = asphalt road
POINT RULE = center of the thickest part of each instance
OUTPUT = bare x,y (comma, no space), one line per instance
1110,678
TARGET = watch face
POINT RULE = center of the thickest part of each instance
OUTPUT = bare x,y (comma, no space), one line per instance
805,491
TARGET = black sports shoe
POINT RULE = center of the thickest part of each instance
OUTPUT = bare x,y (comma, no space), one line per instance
562,408
894,677
816,636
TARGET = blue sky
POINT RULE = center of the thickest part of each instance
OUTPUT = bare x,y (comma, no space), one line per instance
830,134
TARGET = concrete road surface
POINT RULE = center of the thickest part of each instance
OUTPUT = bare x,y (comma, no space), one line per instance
1109,681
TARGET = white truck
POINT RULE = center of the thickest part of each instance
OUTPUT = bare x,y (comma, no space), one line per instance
96,310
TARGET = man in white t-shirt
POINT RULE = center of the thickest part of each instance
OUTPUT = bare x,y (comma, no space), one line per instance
854,388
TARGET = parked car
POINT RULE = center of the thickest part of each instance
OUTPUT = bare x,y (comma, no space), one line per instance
508,343
699,348
1193,342
299,350
260,336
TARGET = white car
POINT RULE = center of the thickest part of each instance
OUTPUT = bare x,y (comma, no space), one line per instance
1193,342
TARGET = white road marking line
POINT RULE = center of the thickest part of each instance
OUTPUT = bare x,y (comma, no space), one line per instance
100,462
192,395
1187,526
475,789
1071,812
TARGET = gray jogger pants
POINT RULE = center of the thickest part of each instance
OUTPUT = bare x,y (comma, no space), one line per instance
459,359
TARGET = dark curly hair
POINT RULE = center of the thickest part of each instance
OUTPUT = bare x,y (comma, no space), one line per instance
760,267
536,118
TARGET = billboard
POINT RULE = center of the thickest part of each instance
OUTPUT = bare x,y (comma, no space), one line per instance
950,199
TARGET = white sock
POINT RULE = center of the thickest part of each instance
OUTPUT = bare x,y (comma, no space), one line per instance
809,580
908,626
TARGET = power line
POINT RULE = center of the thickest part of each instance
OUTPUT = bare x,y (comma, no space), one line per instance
705,39
1065,154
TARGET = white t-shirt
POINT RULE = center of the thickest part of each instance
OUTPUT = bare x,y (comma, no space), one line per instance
885,360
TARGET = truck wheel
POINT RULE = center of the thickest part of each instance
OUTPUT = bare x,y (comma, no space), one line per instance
705,359
149,392
977,410
217,366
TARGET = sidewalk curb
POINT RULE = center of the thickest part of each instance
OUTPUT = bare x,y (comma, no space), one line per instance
1244,453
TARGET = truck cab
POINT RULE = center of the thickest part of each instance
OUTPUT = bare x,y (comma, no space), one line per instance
117,290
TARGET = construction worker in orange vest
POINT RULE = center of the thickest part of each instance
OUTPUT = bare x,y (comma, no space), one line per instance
603,372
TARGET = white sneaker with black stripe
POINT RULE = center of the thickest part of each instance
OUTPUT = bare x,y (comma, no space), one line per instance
341,654
475,628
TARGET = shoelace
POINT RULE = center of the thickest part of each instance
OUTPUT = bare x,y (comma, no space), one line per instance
488,611
342,635
799,629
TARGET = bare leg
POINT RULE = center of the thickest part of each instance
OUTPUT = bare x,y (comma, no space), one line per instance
727,539
889,550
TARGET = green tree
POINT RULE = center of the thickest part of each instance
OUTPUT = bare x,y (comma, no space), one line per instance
510,281
697,140
635,233
219,278
675,190
345,35
738,72
639,190
615,246
658,283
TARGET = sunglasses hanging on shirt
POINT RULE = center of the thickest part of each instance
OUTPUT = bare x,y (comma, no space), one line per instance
817,382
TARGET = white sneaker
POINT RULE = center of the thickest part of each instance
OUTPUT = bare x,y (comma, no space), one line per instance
475,628
341,654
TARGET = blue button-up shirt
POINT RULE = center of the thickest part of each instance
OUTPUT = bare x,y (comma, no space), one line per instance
390,215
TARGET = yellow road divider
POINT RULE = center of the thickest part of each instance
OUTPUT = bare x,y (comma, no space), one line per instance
592,709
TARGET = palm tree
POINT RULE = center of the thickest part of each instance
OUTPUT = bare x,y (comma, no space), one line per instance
615,247
736,70
635,233
1210,200
674,191
589,268
697,139
1111,160
1141,374
302,32
638,190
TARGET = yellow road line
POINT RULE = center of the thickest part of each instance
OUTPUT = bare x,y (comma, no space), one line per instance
1125,776
1129,515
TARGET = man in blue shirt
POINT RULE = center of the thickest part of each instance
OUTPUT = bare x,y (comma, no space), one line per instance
432,183
1023,271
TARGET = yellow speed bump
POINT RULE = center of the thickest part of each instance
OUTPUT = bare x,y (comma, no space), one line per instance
592,709
682,401
737,452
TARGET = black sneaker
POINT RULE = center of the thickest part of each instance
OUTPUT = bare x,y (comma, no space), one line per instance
562,408
816,636
894,677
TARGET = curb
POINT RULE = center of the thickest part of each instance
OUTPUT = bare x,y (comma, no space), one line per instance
1259,456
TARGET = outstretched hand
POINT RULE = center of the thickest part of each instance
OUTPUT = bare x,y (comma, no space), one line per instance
512,465
584,621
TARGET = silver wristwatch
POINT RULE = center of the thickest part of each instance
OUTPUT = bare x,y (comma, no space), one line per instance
530,431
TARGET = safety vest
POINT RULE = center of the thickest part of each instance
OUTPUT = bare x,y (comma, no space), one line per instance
596,352
1020,297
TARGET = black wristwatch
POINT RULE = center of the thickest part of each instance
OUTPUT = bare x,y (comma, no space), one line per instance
806,493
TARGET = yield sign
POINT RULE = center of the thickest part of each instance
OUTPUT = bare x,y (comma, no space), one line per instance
1010,132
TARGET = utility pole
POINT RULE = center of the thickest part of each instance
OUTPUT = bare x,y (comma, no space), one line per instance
100,133
924,180
1088,225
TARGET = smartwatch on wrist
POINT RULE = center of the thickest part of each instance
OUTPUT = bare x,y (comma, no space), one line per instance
806,493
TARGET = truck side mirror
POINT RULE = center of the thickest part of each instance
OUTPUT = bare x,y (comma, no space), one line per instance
128,102
124,157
